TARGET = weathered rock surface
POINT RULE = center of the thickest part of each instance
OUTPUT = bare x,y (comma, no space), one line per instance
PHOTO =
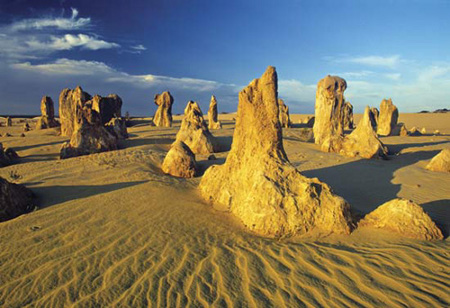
26,127
415,132
108,107
363,141
118,128
180,161
404,217
388,118
8,121
89,136
69,100
15,200
47,119
285,120
328,126
440,162
348,115
194,131
213,121
309,121
258,184
163,115
400,130
7,156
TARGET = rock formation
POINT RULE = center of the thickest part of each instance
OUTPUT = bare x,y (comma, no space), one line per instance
285,120
388,118
404,217
399,130
194,132
8,121
89,136
363,141
108,107
15,200
440,162
163,115
7,156
213,121
180,161
309,121
69,102
374,113
47,119
348,115
118,128
258,184
26,127
328,126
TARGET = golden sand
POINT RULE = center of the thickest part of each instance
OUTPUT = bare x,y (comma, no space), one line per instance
113,230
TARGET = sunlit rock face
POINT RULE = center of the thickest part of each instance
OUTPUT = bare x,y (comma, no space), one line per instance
285,120
388,118
194,132
163,115
258,184
180,161
440,162
403,217
213,121
69,100
329,113
47,119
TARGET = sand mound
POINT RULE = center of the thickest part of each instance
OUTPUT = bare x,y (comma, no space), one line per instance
440,162
259,185
404,217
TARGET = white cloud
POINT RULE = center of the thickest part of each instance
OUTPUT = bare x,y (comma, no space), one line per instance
389,61
393,76
139,47
67,67
61,23
70,41
359,74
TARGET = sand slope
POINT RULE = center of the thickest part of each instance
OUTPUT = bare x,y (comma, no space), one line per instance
114,231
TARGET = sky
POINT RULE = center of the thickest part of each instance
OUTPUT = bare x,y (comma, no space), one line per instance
195,49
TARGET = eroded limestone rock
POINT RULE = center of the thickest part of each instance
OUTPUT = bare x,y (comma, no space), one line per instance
7,156
194,131
8,121
348,115
163,115
258,184
388,117
400,130
69,102
47,119
108,107
285,120
441,162
213,121
180,161
15,200
118,128
404,217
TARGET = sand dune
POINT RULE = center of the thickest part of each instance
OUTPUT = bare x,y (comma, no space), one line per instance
113,230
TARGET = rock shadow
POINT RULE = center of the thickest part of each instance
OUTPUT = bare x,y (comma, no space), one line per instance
439,211
397,148
39,145
224,143
130,143
52,195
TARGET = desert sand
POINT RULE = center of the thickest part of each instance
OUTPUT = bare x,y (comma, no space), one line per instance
113,230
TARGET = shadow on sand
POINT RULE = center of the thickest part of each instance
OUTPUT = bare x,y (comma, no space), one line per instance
51,195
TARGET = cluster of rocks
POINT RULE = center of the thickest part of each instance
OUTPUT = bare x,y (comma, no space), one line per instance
93,123
15,200
7,156
333,114
47,119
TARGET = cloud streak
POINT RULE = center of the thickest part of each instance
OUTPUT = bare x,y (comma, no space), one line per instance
371,60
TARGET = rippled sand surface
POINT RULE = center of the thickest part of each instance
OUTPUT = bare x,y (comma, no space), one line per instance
113,230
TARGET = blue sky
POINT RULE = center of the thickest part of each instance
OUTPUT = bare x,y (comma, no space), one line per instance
398,49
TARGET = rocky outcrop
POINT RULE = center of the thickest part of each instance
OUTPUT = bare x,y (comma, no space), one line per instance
69,102
8,121
163,115
388,118
7,156
400,130
194,131
404,217
258,184
285,120
309,121
414,132
89,136
26,127
15,200
328,126
180,161
108,107
118,128
440,162
363,141
374,113
47,119
348,115
213,121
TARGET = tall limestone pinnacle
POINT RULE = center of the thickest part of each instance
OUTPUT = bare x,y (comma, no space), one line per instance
163,115
258,184
213,121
